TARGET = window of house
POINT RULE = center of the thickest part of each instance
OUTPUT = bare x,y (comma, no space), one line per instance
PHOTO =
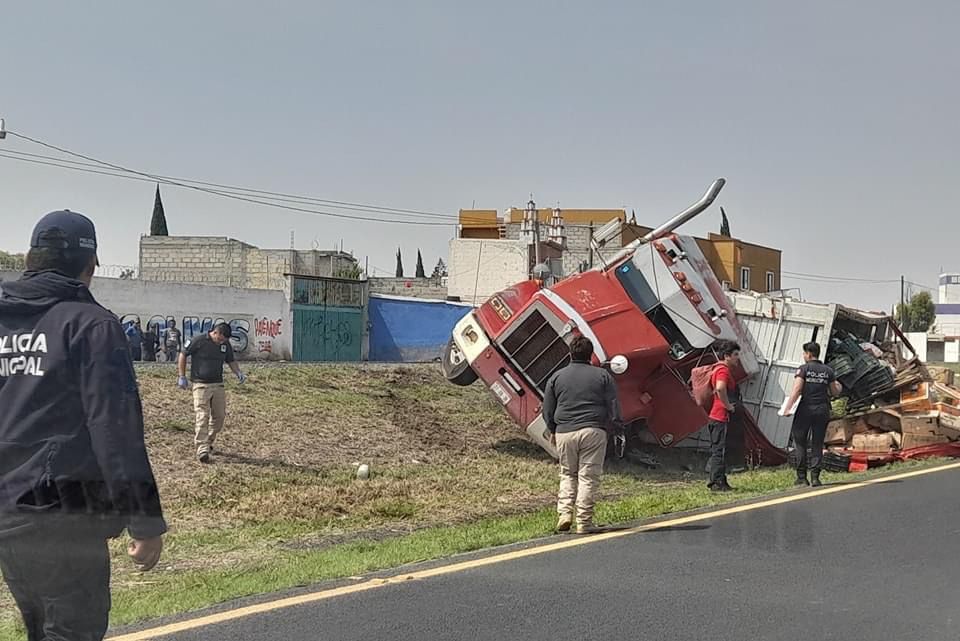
745,278
771,282
726,285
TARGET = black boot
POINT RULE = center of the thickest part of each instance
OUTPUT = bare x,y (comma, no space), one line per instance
815,478
801,479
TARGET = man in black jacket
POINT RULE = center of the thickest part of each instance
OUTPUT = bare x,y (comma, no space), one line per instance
74,470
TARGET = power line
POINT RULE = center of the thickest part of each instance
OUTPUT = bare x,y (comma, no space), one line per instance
216,192
97,167
162,180
274,195
91,168
823,277
294,197
316,212
923,287
839,280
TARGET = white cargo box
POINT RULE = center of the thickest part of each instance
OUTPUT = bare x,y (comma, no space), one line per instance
777,328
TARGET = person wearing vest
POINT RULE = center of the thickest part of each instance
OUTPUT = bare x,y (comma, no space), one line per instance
813,384
725,400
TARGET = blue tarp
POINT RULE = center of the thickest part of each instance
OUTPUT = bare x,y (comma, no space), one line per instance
410,330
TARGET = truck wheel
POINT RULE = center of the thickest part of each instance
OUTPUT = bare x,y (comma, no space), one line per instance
455,366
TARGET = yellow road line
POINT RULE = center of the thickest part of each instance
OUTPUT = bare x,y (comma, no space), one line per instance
323,595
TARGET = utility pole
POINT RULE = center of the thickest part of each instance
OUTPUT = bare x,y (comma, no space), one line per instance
590,245
903,303
536,231
535,219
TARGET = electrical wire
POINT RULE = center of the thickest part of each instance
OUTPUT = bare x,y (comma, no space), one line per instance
273,195
97,166
94,162
91,168
315,212
819,277
254,196
838,280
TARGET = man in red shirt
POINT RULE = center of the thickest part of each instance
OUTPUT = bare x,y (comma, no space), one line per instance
725,401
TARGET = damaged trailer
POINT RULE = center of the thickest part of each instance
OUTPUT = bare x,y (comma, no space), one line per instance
777,328
892,408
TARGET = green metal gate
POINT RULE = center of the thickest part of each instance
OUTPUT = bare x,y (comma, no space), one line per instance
327,319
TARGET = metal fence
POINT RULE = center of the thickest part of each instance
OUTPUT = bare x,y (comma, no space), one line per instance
126,272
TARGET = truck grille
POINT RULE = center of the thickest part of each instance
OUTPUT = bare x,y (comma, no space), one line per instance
537,349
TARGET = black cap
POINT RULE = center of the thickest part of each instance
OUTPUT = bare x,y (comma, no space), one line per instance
65,230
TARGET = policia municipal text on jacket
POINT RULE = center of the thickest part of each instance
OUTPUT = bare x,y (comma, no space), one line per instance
74,470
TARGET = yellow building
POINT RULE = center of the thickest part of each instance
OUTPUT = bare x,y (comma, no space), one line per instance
480,223
738,264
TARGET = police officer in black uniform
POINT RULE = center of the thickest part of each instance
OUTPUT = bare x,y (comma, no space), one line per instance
74,470
814,383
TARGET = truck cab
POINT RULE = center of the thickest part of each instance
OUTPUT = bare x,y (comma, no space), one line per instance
653,312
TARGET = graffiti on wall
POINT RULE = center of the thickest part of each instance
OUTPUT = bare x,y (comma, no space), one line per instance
267,330
191,326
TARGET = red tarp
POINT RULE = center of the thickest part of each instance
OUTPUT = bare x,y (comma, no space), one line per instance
757,447
940,450
760,451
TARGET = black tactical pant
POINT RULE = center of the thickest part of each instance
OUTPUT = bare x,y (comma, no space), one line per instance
809,430
61,583
717,464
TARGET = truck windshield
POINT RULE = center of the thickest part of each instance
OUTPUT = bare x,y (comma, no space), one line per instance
637,287
639,291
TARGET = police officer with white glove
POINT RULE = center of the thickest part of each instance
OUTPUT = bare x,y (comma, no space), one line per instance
207,354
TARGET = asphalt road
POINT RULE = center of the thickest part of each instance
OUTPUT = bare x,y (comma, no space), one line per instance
879,562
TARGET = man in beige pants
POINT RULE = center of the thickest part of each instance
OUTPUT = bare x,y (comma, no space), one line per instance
207,355
579,404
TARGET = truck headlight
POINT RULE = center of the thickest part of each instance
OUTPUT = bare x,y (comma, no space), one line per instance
619,364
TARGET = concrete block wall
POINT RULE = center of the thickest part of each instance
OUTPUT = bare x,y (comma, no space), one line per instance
202,260
265,268
578,245
578,248
214,260
423,288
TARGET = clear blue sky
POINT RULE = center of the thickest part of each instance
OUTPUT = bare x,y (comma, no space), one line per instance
835,123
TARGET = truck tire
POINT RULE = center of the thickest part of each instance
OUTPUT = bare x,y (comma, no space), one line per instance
456,369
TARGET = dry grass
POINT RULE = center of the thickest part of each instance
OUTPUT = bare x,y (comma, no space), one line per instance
295,434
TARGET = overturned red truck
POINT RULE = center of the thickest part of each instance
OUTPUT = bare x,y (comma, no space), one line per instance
653,312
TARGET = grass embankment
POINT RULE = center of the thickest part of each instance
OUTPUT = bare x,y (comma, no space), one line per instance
280,507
